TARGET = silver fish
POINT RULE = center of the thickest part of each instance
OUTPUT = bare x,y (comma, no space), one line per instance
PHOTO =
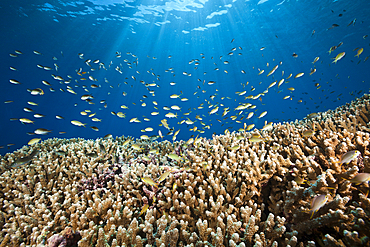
22,161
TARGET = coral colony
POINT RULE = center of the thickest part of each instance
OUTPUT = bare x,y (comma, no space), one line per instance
295,184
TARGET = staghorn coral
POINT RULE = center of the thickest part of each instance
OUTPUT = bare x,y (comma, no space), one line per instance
258,194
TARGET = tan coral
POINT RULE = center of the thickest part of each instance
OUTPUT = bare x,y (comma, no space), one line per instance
216,196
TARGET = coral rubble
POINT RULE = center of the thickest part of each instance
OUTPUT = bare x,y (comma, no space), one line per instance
224,191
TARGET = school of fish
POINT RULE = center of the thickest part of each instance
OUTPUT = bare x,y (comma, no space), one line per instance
243,109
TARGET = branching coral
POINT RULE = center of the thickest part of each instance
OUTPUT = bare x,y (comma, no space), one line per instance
224,191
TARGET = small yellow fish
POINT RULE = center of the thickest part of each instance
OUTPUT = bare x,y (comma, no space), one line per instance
160,134
34,141
37,115
165,124
149,181
126,142
359,51
348,157
250,115
37,91
239,137
26,120
13,81
174,187
134,120
236,147
339,57
144,208
136,147
317,203
190,141
164,176
272,84
249,127
175,107
174,157
121,115
144,137
312,115
256,139
300,180
360,178
174,96
262,114
213,111
146,158
41,131
71,91
267,126
298,75
273,70
308,133
171,115
78,123
333,48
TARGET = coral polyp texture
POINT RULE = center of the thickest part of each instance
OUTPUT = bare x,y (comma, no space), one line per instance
303,183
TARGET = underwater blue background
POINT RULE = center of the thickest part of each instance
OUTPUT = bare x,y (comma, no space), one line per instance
266,31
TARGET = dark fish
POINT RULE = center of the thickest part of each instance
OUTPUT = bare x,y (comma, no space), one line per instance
107,136
102,148
92,155
21,161
352,22
60,153
333,26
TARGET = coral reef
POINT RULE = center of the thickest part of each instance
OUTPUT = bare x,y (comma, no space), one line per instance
224,191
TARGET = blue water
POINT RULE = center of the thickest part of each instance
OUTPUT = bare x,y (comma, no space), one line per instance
182,30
